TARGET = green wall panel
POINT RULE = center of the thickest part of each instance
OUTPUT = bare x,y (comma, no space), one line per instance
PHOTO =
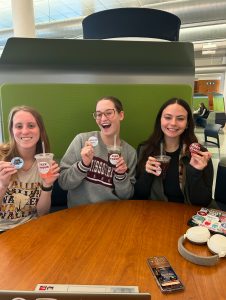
218,103
67,108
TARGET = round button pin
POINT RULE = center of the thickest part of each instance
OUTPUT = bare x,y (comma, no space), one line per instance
17,162
202,213
93,140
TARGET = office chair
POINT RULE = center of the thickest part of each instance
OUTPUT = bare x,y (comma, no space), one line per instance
209,120
212,130
220,188
131,22
221,118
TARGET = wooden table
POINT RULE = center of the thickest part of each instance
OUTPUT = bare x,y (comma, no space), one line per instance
107,243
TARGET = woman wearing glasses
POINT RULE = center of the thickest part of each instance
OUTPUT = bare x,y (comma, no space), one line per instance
86,171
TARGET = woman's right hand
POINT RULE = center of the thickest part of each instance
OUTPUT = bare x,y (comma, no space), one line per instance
152,166
6,171
87,153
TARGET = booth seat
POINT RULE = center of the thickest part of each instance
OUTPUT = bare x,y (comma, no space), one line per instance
67,110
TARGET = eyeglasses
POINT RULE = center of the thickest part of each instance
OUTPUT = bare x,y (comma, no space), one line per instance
109,113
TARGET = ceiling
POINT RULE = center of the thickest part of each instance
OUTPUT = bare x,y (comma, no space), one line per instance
203,23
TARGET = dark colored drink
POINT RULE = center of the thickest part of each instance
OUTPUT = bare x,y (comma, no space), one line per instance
114,152
164,160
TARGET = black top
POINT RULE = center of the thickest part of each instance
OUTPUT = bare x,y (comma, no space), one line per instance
171,183
196,185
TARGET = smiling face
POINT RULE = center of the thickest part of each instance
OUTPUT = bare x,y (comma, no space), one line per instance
108,118
174,120
25,130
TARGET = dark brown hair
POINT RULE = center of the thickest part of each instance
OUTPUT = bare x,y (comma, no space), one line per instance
152,145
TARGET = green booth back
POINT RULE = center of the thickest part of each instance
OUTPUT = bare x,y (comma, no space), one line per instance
67,108
218,103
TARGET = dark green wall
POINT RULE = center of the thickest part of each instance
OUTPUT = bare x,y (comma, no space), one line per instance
67,108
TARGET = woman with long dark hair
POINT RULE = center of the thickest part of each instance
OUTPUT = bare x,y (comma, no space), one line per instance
202,114
189,176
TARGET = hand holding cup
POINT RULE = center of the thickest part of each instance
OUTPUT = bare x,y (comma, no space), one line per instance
158,165
54,174
44,161
121,166
114,153
47,167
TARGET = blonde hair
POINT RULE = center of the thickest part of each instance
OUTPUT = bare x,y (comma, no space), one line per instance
9,150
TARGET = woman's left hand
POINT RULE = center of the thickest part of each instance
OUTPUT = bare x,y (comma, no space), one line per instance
54,174
121,166
200,160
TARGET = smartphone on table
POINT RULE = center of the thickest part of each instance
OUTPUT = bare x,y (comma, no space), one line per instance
165,276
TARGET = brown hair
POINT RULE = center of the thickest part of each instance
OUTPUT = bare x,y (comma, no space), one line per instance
152,145
9,150
116,101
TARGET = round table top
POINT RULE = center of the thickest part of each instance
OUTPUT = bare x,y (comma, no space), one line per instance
107,244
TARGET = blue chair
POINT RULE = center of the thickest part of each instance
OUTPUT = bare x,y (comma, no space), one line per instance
220,118
220,188
212,130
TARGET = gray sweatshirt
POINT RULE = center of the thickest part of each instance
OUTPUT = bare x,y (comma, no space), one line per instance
97,182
